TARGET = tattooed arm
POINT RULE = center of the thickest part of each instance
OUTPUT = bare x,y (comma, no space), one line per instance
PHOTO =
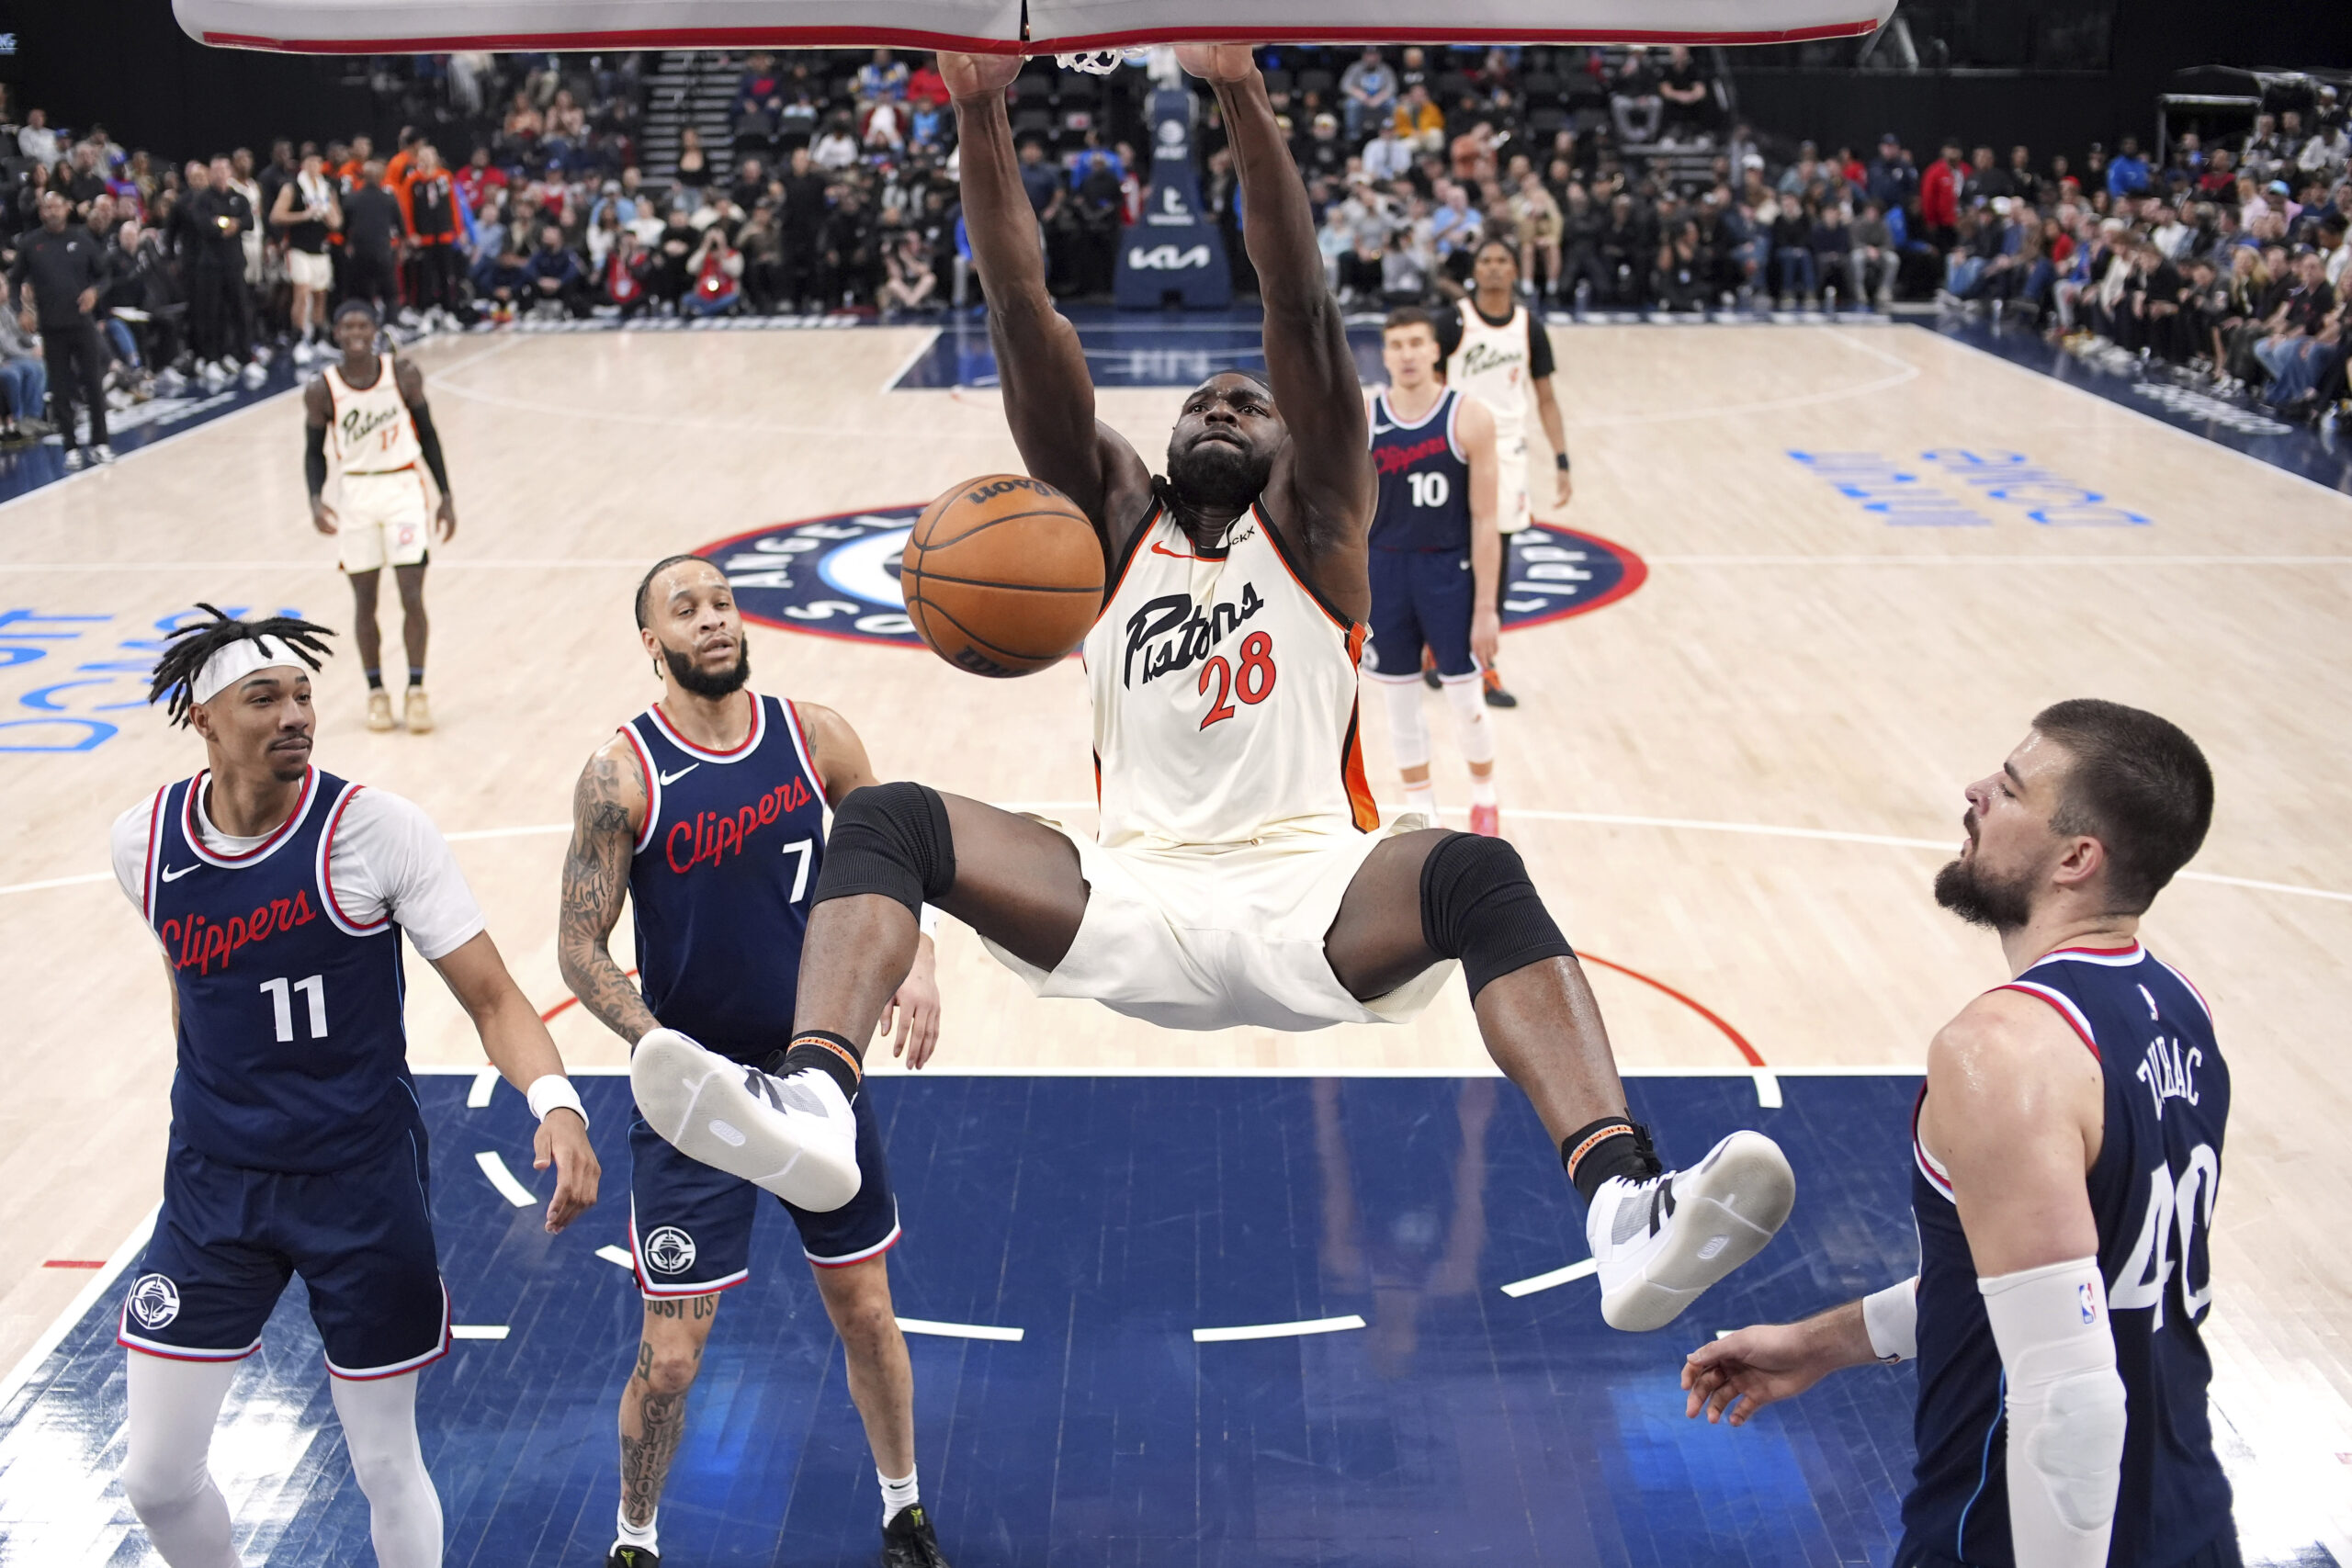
608,813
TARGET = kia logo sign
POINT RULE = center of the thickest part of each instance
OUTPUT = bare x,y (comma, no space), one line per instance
1167,258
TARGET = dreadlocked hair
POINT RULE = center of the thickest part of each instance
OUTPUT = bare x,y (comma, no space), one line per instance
192,645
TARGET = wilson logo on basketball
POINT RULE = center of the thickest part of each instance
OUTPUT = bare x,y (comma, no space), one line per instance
711,837
838,576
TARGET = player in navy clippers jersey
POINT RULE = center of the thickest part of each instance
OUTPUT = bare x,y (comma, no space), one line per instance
2067,1157
707,811
1435,557
279,895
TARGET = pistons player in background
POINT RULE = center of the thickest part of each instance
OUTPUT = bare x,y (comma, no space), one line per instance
368,414
279,894
1434,560
2066,1157
707,812
1496,349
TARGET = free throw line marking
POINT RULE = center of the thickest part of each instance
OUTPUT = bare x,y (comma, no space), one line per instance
1557,1276
1276,1330
959,1330
618,1257
477,1331
504,1180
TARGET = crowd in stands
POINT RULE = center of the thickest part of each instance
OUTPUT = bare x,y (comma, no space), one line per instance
1618,178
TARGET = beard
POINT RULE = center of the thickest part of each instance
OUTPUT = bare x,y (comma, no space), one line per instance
1217,477
1997,904
691,676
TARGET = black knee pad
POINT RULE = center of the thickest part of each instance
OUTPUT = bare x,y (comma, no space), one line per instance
1477,905
893,840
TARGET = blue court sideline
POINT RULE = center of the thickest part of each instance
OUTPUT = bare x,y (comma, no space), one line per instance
1106,1218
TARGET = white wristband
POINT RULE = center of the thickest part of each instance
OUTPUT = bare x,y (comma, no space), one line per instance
1891,1317
554,1092
927,922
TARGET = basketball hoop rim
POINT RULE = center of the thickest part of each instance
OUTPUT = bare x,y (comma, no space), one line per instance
917,39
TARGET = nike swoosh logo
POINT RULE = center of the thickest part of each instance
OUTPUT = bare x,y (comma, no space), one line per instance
1159,550
1381,429
669,779
176,875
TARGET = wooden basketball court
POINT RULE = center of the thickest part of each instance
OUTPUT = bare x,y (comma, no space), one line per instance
1735,784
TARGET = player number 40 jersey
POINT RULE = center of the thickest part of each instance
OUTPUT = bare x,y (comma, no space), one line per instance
1225,696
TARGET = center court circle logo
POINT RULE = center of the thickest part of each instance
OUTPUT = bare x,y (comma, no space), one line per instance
154,1300
838,576
669,1250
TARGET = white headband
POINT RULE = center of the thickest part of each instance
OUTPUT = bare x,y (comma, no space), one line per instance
237,660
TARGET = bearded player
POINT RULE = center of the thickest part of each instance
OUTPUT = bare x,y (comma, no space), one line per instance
1239,878
707,812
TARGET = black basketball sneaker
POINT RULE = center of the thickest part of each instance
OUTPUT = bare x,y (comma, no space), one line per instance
908,1541
633,1557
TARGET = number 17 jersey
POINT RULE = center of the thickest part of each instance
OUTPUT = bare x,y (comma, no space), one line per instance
2152,1194
722,874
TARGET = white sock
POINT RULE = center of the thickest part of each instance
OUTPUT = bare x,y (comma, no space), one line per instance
379,1417
645,1537
1482,790
1421,797
174,1407
898,1494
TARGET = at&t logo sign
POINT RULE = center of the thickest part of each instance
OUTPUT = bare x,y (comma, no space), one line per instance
839,576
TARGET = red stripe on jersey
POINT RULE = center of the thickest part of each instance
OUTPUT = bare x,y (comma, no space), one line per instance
2088,1044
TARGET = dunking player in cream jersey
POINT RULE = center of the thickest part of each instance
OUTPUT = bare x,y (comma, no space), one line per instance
370,409
1237,878
1497,351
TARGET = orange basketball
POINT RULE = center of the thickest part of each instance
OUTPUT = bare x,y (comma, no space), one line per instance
1003,575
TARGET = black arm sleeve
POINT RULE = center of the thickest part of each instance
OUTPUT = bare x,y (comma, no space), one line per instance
314,457
1540,363
428,440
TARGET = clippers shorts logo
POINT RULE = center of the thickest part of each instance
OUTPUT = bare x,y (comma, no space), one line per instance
838,576
154,1300
670,1251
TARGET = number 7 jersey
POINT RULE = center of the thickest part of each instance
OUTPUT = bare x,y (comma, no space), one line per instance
2152,1192
722,874
1225,696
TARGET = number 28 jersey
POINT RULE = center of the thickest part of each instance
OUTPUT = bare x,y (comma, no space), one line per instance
2152,1193
1225,694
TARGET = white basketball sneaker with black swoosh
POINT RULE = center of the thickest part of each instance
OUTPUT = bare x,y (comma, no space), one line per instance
1662,1241
795,1135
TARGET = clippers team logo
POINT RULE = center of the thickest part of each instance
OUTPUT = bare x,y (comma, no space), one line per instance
154,1300
670,1251
838,576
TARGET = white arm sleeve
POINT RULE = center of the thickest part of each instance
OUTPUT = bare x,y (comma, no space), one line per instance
127,848
2066,1411
389,858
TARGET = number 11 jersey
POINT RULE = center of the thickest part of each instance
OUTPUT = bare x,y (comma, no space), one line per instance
2152,1194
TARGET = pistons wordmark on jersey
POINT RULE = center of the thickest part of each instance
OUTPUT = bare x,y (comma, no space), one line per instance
1225,694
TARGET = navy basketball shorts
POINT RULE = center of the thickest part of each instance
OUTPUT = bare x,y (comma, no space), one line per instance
690,1225
227,1239
1420,599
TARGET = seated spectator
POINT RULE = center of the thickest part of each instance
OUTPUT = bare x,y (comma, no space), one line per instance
1689,96
1419,123
835,148
1474,153
1405,265
882,128
1633,103
622,277
504,280
694,163
1791,232
1680,280
2128,174
928,126
882,79
1833,245
1537,218
24,376
1873,263
1368,90
909,284
718,269
926,86
1388,155
759,100
555,276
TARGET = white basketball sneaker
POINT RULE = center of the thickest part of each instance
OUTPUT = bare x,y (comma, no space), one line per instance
1662,1241
795,1135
